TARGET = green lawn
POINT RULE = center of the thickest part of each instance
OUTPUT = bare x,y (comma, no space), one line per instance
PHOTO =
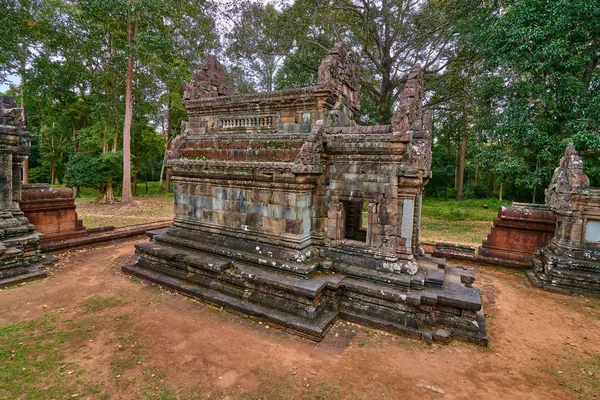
153,190
464,222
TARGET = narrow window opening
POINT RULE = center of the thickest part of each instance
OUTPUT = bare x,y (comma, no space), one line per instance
356,220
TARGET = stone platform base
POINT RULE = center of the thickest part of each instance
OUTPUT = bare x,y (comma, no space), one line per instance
572,274
96,236
307,296
516,234
14,269
469,253
23,276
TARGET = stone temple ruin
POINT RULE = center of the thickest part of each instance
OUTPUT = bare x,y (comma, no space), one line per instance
19,243
559,240
288,211
570,260
516,235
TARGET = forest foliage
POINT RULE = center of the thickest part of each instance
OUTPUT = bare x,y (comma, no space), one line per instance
510,82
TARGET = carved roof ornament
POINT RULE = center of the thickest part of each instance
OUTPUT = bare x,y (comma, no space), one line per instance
339,69
409,114
208,81
11,123
567,179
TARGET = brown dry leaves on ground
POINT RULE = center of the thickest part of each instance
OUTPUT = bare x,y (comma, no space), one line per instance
121,338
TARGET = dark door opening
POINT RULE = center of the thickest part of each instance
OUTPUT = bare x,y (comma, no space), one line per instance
356,228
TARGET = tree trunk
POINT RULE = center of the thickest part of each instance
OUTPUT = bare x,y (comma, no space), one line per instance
461,160
162,170
116,141
135,172
534,190
500,193
24,117
74,133
107,195
167,136
127,197
168,180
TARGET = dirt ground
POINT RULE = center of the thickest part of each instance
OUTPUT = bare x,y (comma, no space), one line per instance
146,209
141,341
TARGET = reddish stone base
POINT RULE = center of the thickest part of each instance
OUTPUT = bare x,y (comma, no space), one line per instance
52,212
516,235
91,238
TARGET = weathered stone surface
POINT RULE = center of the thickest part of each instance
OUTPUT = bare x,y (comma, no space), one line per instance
302,226
567,179
570,262
52,212
208,81
515,237
516,234
20,257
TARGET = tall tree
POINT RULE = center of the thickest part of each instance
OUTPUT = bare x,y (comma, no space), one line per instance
259,38
541,82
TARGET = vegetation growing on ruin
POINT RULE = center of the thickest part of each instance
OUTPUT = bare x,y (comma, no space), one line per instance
510,82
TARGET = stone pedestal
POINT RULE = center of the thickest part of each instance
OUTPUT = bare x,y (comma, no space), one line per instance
516,235
288,211
570,262
20,257
52,212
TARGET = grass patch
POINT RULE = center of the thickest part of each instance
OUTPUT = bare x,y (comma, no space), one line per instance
33,360
127,351
97,303
583,377
464,222
464,210
153,190
166,392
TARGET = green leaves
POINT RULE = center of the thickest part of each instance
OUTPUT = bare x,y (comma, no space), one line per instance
94,171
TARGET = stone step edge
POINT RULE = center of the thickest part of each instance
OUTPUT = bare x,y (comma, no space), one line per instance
221,263
314,330
430,295
14,280
222,251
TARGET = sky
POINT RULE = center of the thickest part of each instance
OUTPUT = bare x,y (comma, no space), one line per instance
10,79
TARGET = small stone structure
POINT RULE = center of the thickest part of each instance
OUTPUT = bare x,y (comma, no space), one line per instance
52,212
19,243
516,235
570,262
286,210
